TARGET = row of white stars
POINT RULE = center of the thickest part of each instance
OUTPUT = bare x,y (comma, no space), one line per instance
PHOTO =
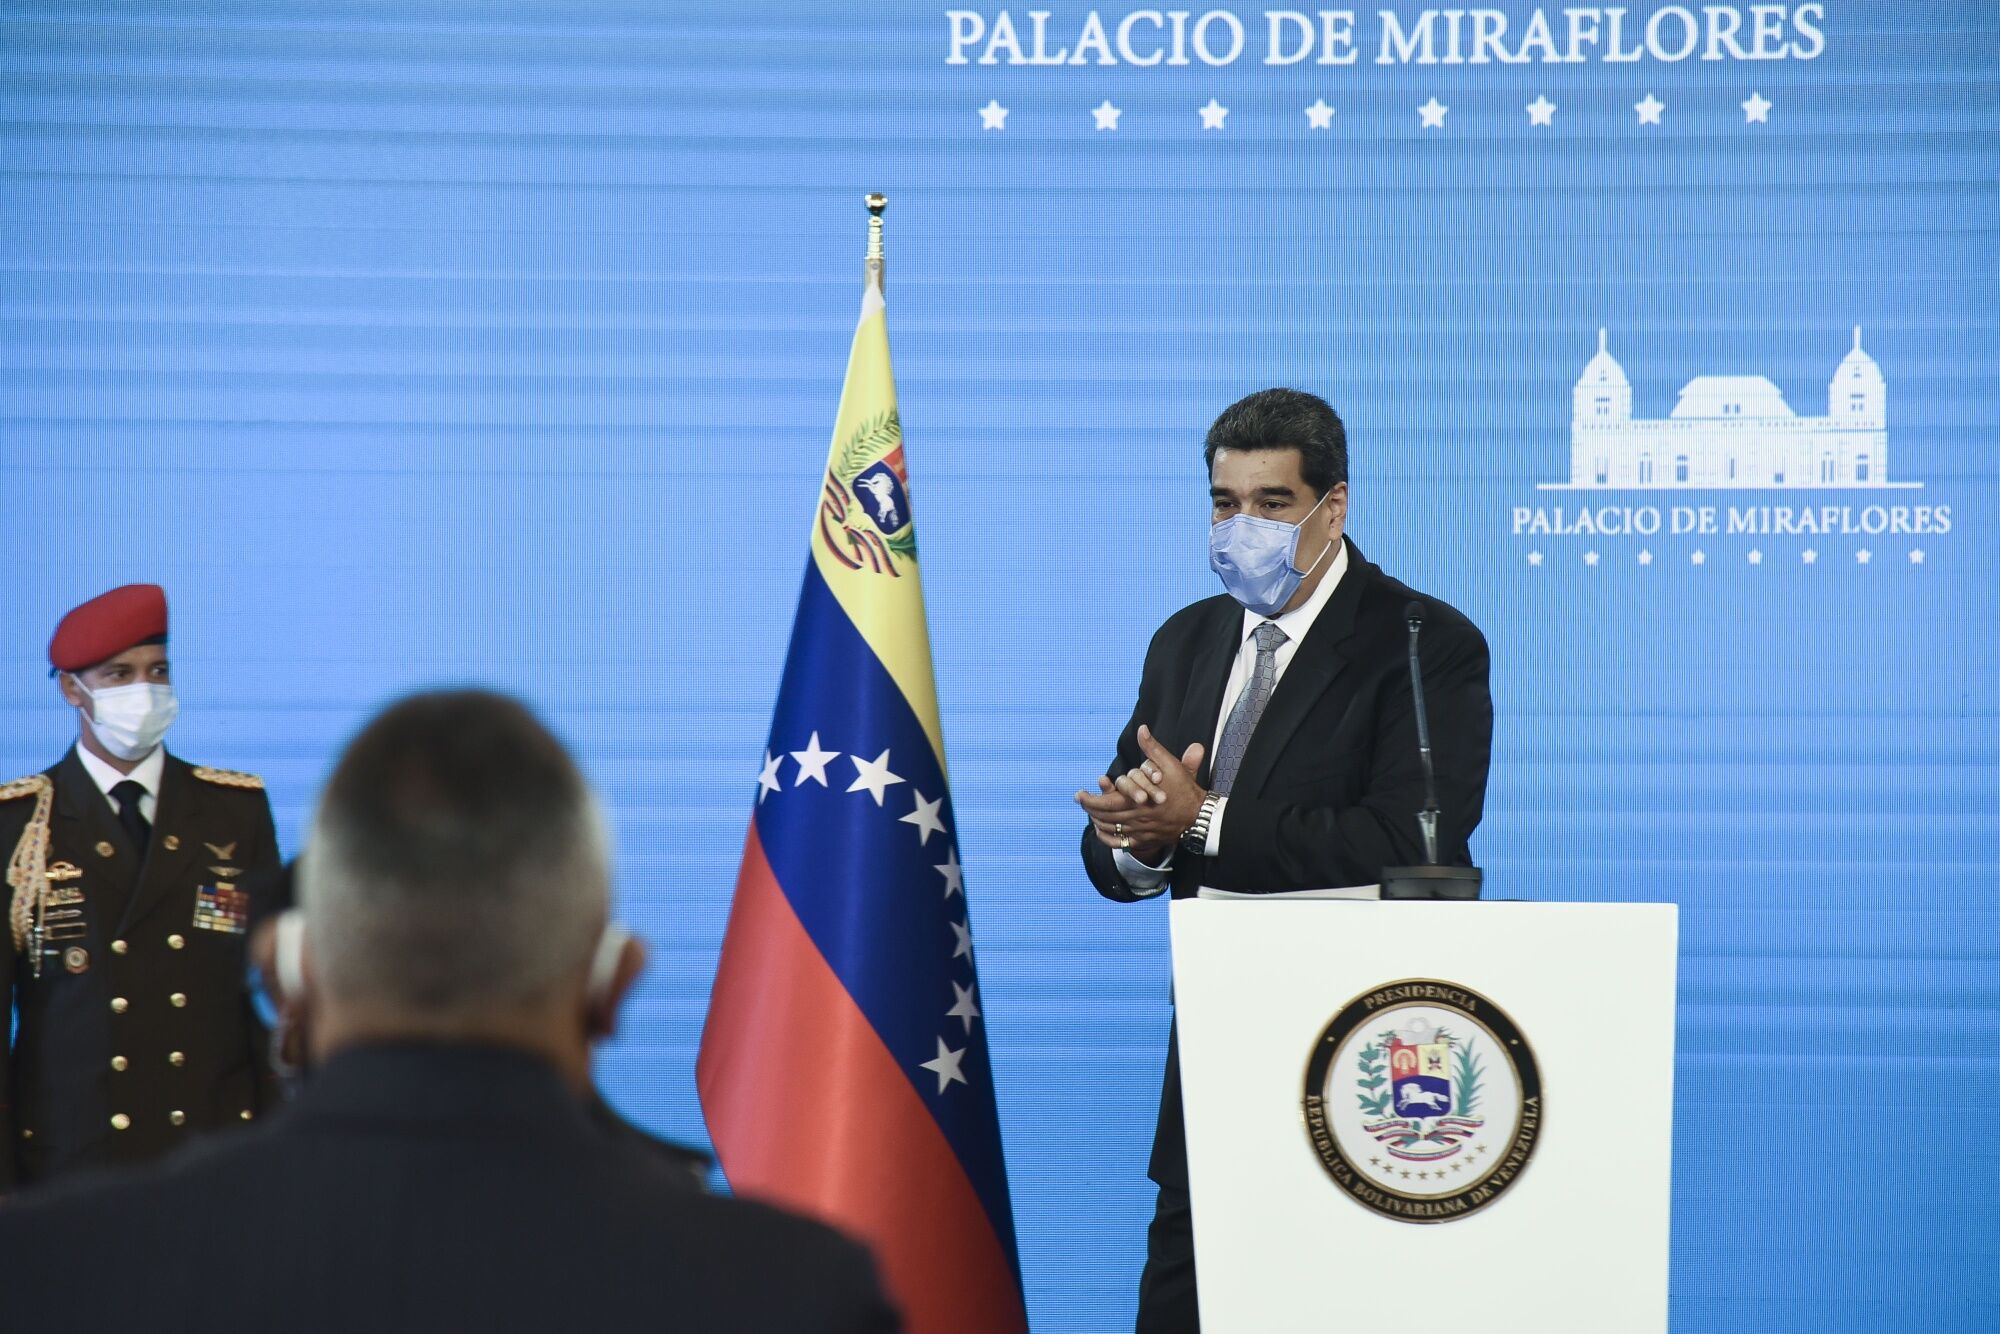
875,778
1755,557
1319,116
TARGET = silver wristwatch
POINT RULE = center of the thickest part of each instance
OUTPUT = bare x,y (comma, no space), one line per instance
1195,837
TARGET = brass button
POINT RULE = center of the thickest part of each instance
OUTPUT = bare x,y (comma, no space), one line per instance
172,843
178,1000
119,1063
119,947
104,849
176,941
177,1058
29,1134
178,1118
119,1005
121,1122
245,1113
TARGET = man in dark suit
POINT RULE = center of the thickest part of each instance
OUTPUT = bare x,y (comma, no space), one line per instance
126,870
1274,744
441,1169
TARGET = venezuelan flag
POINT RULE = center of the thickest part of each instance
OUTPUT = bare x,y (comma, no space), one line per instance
843,1070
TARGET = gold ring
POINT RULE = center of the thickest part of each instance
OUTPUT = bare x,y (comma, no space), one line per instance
1118,828
1127,844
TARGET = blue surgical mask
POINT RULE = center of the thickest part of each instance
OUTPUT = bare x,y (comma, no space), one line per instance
1254,558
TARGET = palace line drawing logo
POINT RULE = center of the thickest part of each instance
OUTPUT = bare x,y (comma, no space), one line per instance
1423,1100
1729,431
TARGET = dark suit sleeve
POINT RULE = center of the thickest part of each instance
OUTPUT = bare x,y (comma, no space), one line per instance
1269,841
855,1302
1097,860
9,1138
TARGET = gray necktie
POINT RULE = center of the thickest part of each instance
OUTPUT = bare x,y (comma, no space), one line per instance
1249,708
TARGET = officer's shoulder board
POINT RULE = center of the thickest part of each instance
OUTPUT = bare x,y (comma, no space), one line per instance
31,786
227,777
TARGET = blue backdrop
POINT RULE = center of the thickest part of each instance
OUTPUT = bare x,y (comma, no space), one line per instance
423,342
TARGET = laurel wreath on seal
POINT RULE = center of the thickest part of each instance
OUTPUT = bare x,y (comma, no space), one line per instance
872,439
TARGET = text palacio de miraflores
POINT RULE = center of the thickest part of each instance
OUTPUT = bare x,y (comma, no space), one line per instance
1667,34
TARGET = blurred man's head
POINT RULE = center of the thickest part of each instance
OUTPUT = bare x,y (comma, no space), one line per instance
456,885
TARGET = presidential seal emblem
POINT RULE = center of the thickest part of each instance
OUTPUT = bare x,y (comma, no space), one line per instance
1423,1101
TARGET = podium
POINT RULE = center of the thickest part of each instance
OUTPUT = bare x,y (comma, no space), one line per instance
1427,1115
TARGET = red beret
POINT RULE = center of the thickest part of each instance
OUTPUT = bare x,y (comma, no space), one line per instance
107,625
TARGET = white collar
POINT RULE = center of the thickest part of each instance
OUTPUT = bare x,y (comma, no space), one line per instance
147,774
1298,622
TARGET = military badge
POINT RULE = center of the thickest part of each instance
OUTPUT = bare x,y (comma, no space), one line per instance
76,959
222,907
1423,1100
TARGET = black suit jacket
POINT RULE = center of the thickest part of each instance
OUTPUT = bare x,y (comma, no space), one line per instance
108,1067
419,1187
1330,786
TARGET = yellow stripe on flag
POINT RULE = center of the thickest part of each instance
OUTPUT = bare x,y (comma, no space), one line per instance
864,536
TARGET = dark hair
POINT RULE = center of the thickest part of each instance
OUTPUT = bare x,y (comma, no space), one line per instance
457,856
1285,419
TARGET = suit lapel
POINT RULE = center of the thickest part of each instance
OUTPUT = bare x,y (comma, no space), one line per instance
1207,678
1313,668
173,814
83,823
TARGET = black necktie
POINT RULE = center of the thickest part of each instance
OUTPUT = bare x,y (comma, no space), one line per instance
128,794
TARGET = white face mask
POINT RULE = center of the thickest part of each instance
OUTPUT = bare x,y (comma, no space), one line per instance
130,720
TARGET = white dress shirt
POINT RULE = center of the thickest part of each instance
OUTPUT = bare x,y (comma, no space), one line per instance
146,774
1297,624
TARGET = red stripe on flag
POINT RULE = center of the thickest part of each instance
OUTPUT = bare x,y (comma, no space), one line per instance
807,1109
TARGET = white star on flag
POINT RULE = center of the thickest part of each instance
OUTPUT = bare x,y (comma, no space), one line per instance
925,818
1649,110
992,116
1534,558
964,934
1319,115
1541,111
812,762
1433,114
1756,557
873,776
967,1009
1107,115
946,1065
1756,110
1590,558
1212,114
1809,555
1699,558
1916,555
767,781
953,873
1863,556
1645,558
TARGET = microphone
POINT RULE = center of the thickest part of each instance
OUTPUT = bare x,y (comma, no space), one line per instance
1430,880
1427,818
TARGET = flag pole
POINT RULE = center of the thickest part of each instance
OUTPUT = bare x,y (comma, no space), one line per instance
873,269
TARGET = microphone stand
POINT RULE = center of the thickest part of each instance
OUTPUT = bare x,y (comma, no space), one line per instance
1430,880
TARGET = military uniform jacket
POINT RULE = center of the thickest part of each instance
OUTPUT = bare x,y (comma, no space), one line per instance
138,1032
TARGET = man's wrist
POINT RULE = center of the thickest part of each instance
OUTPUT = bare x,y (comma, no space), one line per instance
1195,837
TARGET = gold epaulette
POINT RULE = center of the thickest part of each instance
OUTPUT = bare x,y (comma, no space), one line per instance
228,778
32,785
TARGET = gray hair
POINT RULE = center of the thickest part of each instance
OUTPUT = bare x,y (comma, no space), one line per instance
458,861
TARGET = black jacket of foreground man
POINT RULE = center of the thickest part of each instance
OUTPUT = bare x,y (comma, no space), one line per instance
1330,785
418,1187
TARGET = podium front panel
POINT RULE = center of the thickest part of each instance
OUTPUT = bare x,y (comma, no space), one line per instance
1576,1239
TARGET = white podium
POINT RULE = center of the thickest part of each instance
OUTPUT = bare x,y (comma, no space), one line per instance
1420,1115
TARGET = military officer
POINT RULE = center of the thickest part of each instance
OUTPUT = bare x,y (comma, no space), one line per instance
125,879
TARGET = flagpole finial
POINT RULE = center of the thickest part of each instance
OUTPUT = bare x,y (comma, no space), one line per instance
875,267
